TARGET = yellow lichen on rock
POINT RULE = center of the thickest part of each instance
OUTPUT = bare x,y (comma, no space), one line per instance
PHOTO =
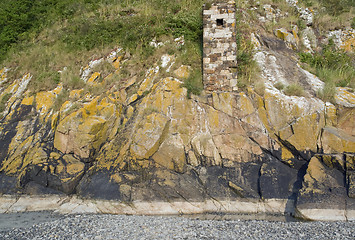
279,112
132,99
93,78
224,102
337,141
36,156
120,96
76,93
213,118
130,111
171,154
54,155
316,169
148,82
151,132
73,165
204,146
305,132
183,72
286,154
45,100
348,41
16,151
317,179
315,174
2,74
344,97
85,129
27,100
330,115
14,92
346,121
290,38
117,62
263,115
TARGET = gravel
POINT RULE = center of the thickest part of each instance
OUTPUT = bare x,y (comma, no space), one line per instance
159,227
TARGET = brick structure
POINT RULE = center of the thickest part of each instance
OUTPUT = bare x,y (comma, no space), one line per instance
220,47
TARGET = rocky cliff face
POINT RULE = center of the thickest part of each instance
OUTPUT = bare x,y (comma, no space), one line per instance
155,144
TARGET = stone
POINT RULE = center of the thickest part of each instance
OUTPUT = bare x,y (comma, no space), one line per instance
344,97
219,47
147,83
150,134
45,100
94,78
309,39
277,180
322,188
142,146
343,38
334,140
291,38
183,72
171,154
84,130
205,148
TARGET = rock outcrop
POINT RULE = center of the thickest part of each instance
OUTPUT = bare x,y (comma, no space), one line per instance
146,141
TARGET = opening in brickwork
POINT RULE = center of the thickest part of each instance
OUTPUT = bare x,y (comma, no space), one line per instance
220,22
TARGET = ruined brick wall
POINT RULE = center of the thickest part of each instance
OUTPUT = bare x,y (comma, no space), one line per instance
219,47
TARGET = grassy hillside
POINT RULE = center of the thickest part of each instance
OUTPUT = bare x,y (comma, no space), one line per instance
45,36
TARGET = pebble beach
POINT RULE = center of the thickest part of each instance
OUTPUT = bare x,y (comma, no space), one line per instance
93,226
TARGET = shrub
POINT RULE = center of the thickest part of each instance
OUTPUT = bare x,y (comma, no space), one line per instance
279,85
185,24
336,7
327,93
331,65
86,34
294,90
3,101
20,20
247,69
193,83
60,99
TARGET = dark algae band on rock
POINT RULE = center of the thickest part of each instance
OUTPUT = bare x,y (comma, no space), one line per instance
129,135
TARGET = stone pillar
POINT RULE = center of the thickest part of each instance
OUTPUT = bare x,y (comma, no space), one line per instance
220,47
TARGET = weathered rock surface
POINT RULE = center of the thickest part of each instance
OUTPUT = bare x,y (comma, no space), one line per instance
156,145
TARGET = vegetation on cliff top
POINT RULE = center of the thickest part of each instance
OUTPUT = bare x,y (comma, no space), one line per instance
335,67
44,36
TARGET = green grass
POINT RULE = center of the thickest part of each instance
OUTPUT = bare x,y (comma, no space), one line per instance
247,68
294,90
332,64
45,36
332,7
334,67
279,86
3,101
22,20
193,83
